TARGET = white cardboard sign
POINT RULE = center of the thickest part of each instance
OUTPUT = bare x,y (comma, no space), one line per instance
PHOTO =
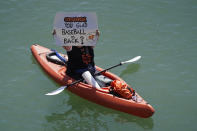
75,29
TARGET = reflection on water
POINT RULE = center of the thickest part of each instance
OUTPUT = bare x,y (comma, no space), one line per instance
132,68
85,115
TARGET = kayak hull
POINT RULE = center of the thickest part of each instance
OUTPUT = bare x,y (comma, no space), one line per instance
99,96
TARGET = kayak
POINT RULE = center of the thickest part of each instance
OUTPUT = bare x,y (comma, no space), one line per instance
102,96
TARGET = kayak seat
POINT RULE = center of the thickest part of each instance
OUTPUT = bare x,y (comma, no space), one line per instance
103,81
56,58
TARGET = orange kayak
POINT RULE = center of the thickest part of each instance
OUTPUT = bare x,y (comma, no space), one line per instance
138,107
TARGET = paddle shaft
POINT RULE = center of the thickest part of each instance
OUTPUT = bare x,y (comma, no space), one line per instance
108,69
80,80
100,72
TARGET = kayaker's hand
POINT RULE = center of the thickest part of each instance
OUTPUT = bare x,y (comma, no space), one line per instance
67,48
97,33
54,32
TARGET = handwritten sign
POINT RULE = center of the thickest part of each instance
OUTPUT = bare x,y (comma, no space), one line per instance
75,29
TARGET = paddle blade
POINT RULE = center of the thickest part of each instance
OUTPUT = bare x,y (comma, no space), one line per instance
55,92
132,60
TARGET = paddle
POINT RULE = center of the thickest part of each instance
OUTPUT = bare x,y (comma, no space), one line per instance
59,90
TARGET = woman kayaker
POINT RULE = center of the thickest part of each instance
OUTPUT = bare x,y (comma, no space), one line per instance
80,59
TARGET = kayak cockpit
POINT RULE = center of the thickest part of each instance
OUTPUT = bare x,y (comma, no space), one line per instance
103,80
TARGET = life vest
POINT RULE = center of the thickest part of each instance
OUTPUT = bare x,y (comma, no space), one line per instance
122,89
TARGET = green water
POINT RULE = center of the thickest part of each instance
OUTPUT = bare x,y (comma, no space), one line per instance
163,32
